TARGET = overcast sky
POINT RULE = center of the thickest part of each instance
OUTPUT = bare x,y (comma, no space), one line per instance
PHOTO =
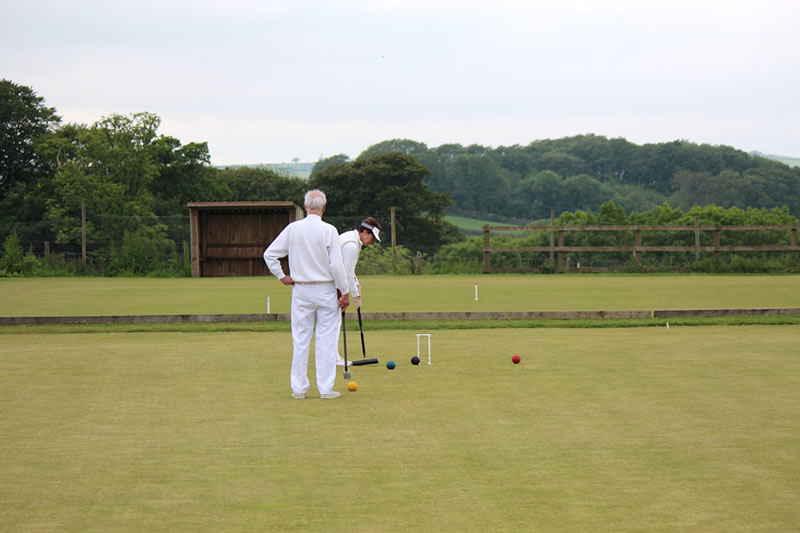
270,80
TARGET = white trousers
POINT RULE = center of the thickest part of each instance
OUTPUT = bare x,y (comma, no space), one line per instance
315,310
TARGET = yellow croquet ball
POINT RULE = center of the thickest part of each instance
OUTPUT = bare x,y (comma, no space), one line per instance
352,386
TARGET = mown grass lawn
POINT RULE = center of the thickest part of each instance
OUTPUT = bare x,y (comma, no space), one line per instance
644,429
578,292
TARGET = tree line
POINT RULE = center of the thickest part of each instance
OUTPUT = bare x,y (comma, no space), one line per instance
585,171
134,184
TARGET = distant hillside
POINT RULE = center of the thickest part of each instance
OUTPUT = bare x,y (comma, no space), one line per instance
292,170
583,172
785,159
471,226
474,226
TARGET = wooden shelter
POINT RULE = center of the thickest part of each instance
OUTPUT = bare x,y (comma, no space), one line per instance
229,238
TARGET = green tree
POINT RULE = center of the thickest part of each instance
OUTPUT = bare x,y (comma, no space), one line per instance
637,197
404,146
538,194
124,173
562,163
24,119
585,191
514,159
184,175
372,186
479,184
25,122
437,160
11,261
322,164
262,184
84,178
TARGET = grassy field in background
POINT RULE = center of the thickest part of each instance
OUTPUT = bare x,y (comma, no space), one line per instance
507,292
474,226
645,429
471,225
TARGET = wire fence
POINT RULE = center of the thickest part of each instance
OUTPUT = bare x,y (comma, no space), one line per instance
119,244
640,247
129,245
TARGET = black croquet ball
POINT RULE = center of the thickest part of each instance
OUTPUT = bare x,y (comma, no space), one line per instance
415,360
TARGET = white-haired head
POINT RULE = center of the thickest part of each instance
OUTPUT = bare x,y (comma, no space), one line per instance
315,200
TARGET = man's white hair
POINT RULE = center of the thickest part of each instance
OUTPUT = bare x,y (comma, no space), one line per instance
315,199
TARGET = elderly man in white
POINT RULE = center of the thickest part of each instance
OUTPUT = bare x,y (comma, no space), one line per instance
317,273
352,241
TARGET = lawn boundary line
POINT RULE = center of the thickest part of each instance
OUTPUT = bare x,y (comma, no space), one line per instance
399,316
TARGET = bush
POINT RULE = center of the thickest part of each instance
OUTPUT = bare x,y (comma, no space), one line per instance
741,264
548,268
378,260
56,265
147,251
12,255
453,265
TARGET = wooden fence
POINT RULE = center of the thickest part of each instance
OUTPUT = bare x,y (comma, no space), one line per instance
558,247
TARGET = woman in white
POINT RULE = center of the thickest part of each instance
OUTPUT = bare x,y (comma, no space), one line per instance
352,241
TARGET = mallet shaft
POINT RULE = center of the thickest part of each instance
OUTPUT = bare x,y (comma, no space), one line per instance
361,329
344,342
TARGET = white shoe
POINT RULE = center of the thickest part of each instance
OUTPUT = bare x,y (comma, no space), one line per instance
339,360
330,396
299,395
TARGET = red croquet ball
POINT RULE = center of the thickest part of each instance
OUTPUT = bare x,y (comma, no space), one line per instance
516,359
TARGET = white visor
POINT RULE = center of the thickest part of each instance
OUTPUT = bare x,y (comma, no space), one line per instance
375,231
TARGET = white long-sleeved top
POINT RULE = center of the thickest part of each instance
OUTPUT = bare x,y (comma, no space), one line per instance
314,250
351,249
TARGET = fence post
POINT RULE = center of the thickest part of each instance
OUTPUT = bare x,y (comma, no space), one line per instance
552,236
794,241
394,244
697,238
83,234
716,241
46,248
560,252
487,260
194,232
638,252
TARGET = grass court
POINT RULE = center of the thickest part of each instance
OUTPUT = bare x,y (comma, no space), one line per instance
614,429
